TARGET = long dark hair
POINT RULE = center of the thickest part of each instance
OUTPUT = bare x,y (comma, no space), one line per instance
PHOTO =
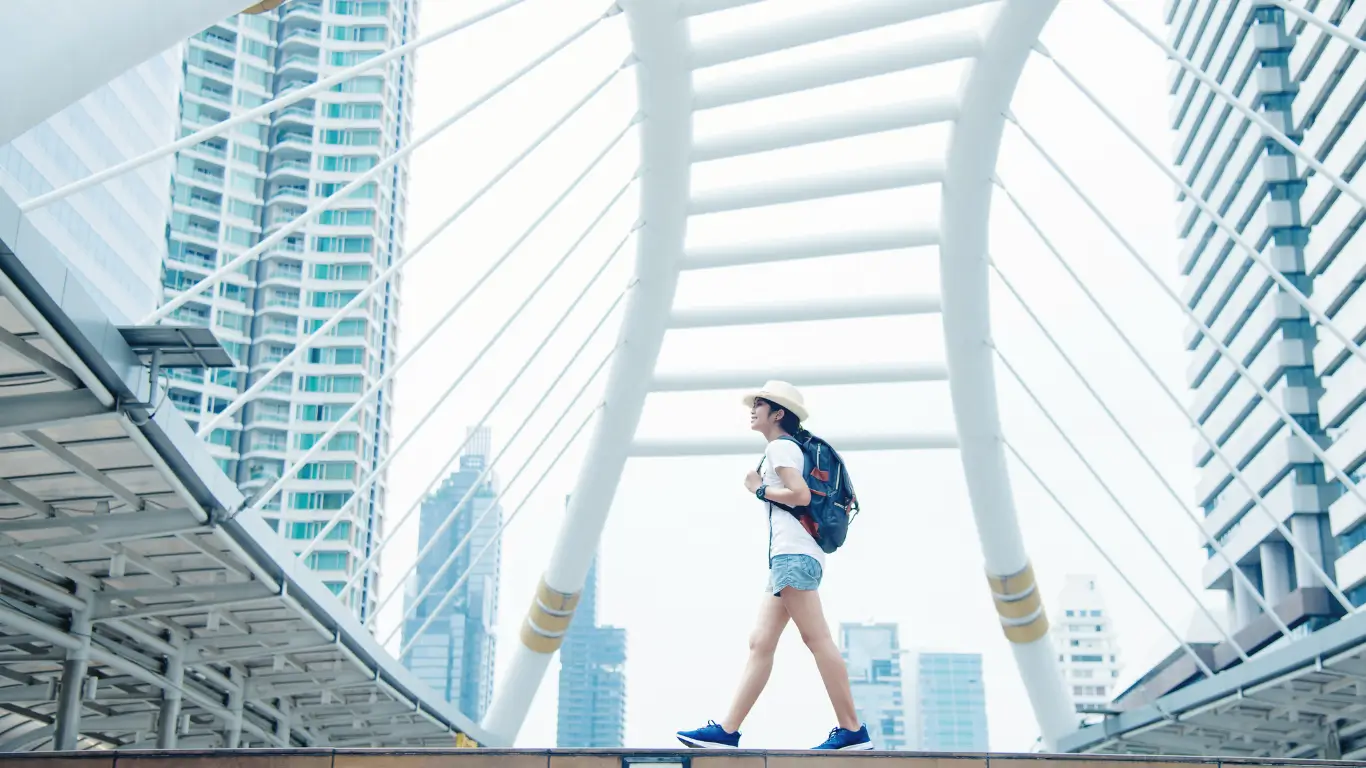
789,423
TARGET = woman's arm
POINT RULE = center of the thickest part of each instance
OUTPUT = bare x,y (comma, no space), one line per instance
796,494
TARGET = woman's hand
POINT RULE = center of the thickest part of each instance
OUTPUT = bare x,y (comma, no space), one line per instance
752,481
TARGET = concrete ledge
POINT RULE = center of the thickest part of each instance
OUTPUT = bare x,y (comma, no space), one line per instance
616,758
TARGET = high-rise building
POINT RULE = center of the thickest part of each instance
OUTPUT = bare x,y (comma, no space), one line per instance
455,653
592,706
1084,636
230,192
113,234
1305,83
872,654
950,703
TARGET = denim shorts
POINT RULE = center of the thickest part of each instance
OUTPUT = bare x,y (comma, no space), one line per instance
797,571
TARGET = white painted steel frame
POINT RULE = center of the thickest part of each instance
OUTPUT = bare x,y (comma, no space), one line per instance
659,37
666,100
964,287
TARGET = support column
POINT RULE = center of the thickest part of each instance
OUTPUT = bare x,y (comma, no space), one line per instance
282,725
964,285
659,41
56,54
1308,531
168,718
1275,571
1245,606
232,737
74,668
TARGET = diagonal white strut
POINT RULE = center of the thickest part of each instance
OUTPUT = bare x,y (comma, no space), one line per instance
659,38
1210,540
964,281
1237,364
265,110
1185,646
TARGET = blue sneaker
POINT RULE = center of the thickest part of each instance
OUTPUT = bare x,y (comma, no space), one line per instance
710,736
844,739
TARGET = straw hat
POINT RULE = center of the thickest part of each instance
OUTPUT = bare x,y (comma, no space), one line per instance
782,393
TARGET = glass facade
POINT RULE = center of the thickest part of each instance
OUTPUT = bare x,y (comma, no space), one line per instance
113,234
592,706
950,703
872,654
1307,84
455,653
230,192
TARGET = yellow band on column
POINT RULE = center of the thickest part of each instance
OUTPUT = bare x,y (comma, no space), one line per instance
547,621
1019,605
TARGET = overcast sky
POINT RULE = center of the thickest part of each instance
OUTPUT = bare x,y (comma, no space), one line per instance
683,556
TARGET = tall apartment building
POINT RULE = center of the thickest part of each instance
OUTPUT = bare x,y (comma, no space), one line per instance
1084,636
230,192
1308,85
592,705
950,703
113,234
455,653
872,654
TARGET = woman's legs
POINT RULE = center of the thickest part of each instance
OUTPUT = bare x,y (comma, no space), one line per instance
804,606
763,642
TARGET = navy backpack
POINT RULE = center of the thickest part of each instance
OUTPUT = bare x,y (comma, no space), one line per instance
833,503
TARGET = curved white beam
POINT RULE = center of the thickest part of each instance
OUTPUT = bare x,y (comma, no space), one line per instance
41,72
659,38
964,283
741,446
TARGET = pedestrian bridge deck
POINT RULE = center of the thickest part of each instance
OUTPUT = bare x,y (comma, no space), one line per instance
481,758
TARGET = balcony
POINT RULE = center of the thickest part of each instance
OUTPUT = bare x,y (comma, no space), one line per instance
299,61
207,178
203,203
283,272
291,192
295,114
295,140
302,10
301,35
209,150
214,68
298,168
217,41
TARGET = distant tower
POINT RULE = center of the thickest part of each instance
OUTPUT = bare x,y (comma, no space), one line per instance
1085,640
592,707
950,703
872,654
455,655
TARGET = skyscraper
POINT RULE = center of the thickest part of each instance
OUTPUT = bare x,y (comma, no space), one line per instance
592,707
455,653
950,703
1304,83
113,233
230,192
1084,636
872,654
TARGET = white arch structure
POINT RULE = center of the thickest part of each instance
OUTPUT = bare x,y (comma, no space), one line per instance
665,59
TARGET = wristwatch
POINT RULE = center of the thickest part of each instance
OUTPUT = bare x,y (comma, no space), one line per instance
759,494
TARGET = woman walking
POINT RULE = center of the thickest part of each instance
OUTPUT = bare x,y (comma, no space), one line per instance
795,566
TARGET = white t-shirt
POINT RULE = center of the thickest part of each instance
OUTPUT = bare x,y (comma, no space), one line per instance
786,535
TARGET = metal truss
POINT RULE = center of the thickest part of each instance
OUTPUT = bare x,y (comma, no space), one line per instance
1304,700
137,607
